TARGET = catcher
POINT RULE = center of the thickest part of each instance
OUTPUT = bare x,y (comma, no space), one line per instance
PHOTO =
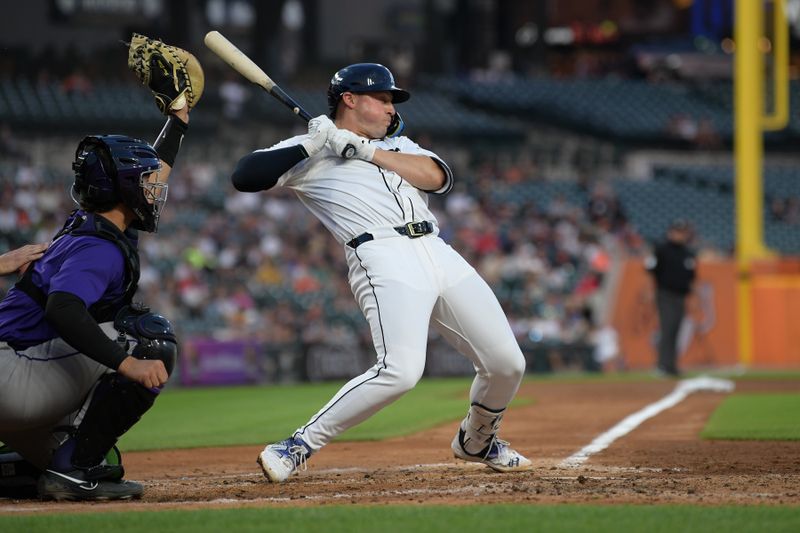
79,362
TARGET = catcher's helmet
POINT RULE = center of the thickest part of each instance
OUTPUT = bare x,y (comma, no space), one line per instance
114,168
148,335
363,78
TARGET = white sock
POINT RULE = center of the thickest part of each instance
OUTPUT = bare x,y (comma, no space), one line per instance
480,426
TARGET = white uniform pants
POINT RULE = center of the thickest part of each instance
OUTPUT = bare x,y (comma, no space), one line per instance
403,286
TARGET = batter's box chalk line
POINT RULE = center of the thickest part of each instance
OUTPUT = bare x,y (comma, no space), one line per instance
683,389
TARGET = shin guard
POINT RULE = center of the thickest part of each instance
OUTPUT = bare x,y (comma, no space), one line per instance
117,405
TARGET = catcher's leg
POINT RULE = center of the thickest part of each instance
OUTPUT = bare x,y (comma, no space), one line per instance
116,405
43,387
80,469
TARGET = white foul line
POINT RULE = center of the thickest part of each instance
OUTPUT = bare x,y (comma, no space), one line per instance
631,422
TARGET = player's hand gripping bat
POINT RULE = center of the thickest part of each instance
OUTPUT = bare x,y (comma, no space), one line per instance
245,66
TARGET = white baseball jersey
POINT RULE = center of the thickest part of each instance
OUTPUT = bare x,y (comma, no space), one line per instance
402,285
352,196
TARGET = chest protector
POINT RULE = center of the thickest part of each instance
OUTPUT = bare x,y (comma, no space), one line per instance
104,310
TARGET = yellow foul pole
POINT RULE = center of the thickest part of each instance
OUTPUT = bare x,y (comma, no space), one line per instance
748,101
750,121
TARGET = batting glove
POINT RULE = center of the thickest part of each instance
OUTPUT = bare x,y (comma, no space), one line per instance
319,129
349,145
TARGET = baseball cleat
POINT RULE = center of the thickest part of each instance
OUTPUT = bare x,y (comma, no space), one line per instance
282,459
74,486
498,455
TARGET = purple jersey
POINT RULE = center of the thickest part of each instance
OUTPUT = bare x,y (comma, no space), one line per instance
90,267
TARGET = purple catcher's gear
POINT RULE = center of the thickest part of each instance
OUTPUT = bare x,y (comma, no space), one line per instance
110,169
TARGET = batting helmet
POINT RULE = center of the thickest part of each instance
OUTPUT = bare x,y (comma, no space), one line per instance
110,169
363,78
148,334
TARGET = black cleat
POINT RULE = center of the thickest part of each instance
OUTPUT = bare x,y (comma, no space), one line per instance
74,486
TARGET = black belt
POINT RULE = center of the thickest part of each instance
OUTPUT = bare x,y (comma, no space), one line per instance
412,230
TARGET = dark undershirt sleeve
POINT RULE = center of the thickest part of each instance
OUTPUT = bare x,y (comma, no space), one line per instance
71,319
260,171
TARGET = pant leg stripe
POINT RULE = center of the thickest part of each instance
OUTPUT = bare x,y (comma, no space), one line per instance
29,358
377,374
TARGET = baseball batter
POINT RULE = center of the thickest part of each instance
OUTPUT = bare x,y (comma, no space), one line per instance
80,363
369,187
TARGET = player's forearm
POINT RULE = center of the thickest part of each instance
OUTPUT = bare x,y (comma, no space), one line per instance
420,171
169,140
260,171
69,317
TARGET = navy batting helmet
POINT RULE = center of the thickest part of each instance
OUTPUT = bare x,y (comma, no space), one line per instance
363,78
150,334
110,169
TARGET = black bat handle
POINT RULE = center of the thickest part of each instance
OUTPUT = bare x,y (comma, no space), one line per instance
289,102
349,150
302,113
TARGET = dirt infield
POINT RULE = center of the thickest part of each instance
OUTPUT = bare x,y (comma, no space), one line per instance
662,461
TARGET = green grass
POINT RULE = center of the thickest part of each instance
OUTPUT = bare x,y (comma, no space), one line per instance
741,373
190,418
638,376
228,416
421,519
756,417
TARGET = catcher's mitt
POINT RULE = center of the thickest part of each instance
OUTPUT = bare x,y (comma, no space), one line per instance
172,74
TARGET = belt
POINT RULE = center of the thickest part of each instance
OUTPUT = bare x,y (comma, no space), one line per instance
412,230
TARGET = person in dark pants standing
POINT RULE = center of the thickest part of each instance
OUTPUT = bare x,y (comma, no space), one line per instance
673,266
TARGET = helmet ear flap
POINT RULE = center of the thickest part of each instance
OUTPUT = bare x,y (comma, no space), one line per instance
396,126
95,182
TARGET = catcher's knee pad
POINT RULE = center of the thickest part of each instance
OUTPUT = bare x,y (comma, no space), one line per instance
149,335
116,406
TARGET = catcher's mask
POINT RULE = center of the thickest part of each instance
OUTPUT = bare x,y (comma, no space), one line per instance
147,335
115,168
367,78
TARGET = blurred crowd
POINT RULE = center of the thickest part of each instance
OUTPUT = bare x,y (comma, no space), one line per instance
232,265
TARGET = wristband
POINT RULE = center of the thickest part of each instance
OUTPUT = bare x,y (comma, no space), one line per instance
169,140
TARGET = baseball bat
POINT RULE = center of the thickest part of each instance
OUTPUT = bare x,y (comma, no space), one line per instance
228,52
245,66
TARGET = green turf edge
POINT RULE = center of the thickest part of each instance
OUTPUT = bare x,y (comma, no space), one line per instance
250,415
755,416
231,416
733,373
424,518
